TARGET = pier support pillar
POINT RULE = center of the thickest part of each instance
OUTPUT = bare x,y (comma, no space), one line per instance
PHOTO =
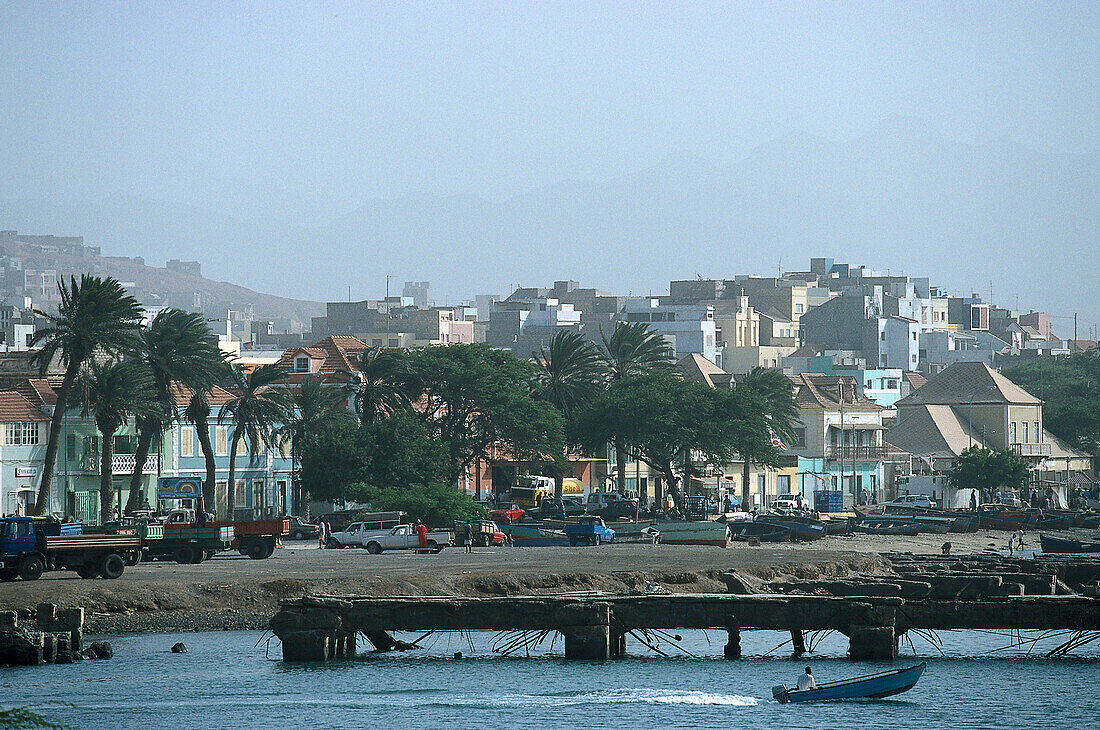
307,646
733,642
798,642
587,642
618,644
587,632
872,642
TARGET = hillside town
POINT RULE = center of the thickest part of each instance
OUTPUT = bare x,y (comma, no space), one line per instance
893,377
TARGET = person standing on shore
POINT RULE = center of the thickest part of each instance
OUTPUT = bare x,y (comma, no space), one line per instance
422,534
322,534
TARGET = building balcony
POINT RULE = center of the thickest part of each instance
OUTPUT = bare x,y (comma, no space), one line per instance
855,453
122,464
1031,449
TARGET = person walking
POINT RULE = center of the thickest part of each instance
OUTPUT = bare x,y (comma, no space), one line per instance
422,534
322,534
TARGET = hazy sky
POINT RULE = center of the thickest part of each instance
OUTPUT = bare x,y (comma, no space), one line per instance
304,110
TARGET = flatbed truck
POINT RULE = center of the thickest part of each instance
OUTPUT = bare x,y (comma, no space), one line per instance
29,547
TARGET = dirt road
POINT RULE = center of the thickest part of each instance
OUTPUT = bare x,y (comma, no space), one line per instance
233,591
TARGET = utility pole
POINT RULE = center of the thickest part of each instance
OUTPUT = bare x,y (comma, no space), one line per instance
1074,332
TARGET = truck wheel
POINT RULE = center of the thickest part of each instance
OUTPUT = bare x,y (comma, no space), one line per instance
111,566
255,549
88,570
333,544
9,574
185,554
31,567
596,540
269,548
374,548
572,541
209,555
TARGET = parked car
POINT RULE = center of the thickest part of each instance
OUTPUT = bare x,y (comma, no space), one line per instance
553,508
514,513
622,508
590,531
402,537
913,500
789,503
302,530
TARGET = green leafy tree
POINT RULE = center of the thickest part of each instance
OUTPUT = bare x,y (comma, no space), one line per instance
385,383
475,398
112,393
178,348
632,350
773,398
315,406
257,411
436,504
569,373
989,469
1070,390
95,315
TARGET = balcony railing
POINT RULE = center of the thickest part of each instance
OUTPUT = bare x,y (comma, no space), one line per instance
855,453
122,463
1031,449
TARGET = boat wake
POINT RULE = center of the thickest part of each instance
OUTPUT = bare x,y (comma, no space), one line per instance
623,696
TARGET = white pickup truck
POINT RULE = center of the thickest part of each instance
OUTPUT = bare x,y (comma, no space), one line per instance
401,537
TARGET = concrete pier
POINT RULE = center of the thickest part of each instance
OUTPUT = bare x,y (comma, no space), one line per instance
318,628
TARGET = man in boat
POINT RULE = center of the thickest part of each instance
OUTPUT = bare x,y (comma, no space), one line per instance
806,680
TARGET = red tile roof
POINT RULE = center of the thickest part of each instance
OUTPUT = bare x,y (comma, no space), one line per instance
38,391
14,408
340,353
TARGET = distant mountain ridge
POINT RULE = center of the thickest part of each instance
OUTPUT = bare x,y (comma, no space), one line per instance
901,197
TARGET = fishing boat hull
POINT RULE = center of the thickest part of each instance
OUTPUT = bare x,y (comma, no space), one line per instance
887,526
1010,520
1091,521
705,532
803,529
1052,544
837,525
534,536
935,525
872,686
762,531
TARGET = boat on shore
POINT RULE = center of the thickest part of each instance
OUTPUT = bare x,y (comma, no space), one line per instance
870,686
763,531
887,525
1051,544
702,532
534,535
836,525
803,529
996,517
961,520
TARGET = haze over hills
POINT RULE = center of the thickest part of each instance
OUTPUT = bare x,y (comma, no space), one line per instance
901,197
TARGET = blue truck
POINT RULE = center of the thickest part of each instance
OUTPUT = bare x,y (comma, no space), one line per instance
590,531
29,546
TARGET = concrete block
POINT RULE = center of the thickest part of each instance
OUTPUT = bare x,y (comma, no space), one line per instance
46,615
588,642
306,646
9,620
872,642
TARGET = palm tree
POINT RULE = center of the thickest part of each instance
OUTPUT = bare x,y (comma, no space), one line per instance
96,315
315,406
569,374
774,390
178,348
197,412
387,383
633,350
112,393
256,412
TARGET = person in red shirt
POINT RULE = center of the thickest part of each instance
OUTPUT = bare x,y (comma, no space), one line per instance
422,533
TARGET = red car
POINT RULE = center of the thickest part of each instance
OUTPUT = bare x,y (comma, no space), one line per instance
498,536
512,514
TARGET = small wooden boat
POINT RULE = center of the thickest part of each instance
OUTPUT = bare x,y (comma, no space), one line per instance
896,525
836,525
703,532
1090,521
872,686
803,529
1052,544
998,518
764,531
534,535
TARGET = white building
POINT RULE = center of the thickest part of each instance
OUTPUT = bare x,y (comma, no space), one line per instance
689,328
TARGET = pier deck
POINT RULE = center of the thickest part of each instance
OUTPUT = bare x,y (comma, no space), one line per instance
320,627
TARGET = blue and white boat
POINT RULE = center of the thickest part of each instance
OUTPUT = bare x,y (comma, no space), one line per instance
871,686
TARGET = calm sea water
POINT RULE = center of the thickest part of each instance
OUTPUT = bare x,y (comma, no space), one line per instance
228,680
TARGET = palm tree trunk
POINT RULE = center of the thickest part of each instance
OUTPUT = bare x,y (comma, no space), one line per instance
209,494
620,465
106,486
42,503
231,488
145,439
